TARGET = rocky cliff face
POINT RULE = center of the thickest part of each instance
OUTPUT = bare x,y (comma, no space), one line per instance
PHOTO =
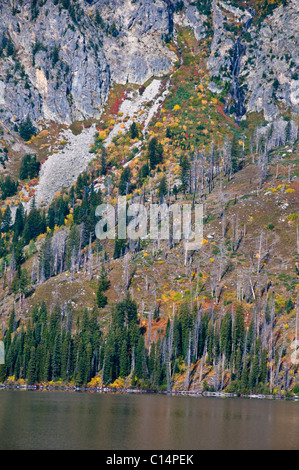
59,58
261,54
137,51
271,64
54,72
58,63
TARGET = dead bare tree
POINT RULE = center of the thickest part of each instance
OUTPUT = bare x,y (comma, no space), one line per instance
187,382
90,259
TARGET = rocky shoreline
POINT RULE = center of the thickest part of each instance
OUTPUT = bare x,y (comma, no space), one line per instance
139,391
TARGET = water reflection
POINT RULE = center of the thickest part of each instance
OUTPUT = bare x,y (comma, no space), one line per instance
58,420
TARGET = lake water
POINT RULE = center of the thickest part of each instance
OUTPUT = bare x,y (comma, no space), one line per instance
90,421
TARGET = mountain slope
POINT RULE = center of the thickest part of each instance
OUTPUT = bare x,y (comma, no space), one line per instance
189,102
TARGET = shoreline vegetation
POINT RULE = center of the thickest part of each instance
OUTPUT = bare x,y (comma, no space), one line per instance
53,350
100,390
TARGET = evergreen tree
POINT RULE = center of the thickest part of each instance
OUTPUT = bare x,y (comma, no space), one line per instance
125,312
185,168
47,367
88,370
66,356
203,334
186,325
29,167
20,282
104,162
104,282
8,187
98,19
238,366
6,222
11,329
2,373
155,152
54,323
19,253
124,360
254,373
143,173
163,187
177,335
109,373
140,365
26,129
264,367
19,222
83,370
56,357
239,330
33,226
46,257
226,336
119,248
124,183
101,297
244,377
134,131
31,373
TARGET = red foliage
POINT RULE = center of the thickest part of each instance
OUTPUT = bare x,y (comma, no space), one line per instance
219,108
117,103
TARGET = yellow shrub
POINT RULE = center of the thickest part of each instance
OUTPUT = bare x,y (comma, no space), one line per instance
95,382
44,133
118,383
102,135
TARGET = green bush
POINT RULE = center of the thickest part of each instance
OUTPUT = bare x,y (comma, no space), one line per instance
27,129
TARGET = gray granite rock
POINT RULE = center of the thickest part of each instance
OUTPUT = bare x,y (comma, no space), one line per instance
59,64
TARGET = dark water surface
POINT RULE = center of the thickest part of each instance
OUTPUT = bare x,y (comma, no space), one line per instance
83,421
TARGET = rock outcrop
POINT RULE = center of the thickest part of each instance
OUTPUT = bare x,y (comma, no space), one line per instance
59,58
266,54
58,63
